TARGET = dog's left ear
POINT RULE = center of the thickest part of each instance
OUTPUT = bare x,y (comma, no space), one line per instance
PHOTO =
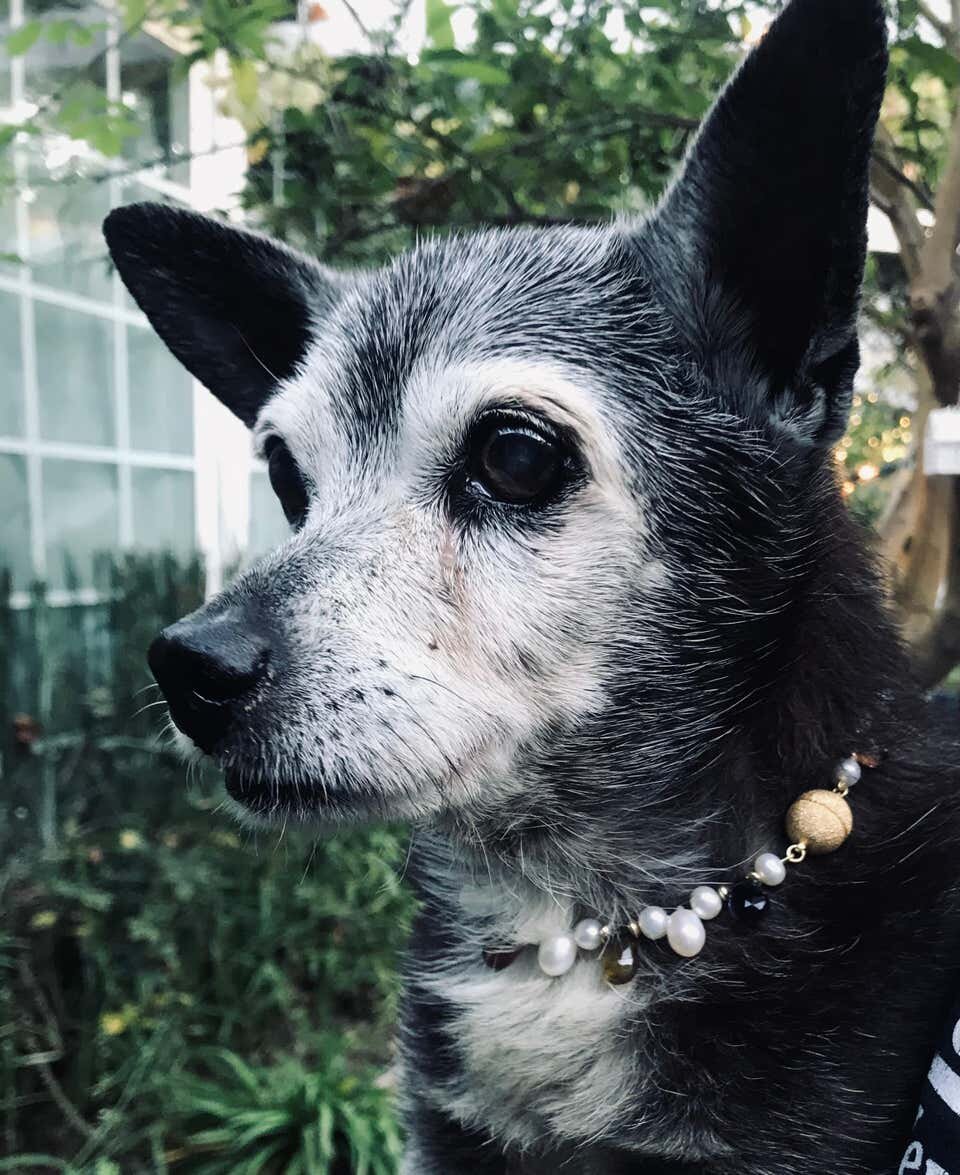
237,309
758,249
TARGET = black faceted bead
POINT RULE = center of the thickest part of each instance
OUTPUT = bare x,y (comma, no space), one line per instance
748,901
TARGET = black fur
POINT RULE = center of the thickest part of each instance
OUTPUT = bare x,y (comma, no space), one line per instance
235,308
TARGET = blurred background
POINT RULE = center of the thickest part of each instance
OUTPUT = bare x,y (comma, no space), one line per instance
174,994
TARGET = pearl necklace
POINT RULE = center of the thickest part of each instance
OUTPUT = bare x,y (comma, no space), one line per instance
817,822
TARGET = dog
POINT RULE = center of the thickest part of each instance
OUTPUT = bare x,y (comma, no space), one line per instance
570,586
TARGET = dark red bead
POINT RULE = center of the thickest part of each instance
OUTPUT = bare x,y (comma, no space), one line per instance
749,901
500,960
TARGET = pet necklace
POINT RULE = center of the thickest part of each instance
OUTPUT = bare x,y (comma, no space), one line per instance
817,822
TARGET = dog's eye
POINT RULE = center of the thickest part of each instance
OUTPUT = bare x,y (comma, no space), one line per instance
287,481
514,462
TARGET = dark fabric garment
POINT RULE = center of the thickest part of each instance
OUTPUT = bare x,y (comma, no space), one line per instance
935,1146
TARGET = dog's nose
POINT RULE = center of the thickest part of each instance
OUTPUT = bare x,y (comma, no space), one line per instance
206,667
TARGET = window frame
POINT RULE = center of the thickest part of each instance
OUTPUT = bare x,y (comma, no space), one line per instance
207,462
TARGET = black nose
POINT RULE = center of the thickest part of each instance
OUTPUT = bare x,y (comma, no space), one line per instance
207,666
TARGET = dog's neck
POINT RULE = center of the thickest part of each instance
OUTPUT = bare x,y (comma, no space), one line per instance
637,806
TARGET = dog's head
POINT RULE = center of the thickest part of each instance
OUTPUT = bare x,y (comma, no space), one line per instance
547,488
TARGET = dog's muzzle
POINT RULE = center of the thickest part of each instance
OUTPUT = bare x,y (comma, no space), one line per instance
208,667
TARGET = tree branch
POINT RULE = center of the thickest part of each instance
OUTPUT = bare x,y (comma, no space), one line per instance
357,20
896,198
938,259
923,197
935,289
941,26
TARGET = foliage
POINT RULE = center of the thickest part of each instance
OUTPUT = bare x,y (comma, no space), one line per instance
876,444
304,1122
141,929
564,112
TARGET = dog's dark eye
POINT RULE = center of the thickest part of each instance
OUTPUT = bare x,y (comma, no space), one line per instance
287,481
514,462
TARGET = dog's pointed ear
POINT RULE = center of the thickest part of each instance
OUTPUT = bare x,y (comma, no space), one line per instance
758,248
237,309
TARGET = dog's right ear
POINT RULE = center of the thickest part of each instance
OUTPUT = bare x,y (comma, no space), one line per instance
235,308
757,252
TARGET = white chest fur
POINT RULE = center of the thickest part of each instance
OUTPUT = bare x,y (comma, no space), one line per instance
540,1056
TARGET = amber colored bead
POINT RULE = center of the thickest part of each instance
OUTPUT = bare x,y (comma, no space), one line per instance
620,958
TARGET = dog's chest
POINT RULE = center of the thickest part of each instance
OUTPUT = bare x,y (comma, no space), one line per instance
539,1056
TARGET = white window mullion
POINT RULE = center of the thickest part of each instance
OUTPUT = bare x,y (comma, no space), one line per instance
122,426
68,300
28,343
121,388
65,451
38,547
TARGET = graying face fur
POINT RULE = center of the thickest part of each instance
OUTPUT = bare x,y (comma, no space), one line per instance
432,636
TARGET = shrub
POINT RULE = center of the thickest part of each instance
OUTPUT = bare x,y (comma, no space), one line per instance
317,1121
141,929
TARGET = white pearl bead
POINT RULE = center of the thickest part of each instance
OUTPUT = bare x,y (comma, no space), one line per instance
586,934
705,902
653,922
849,772
770,869
556,955
685,933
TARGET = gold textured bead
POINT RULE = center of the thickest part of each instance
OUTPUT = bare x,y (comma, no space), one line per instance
822,820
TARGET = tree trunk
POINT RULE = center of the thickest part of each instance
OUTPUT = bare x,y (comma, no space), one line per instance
920,532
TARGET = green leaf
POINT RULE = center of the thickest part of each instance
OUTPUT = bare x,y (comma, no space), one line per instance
932,59
480,71
23,1163
453,63
134,13
23,39
231,1063
439,25
246,80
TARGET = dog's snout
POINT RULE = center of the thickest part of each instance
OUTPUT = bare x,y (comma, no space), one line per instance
207,667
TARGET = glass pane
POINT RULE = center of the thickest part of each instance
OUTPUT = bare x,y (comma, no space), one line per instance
268,527
15,519
157,95
50,66
161,396
75,376
81,519
4,61
163,518
9,249
67,250
11,362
